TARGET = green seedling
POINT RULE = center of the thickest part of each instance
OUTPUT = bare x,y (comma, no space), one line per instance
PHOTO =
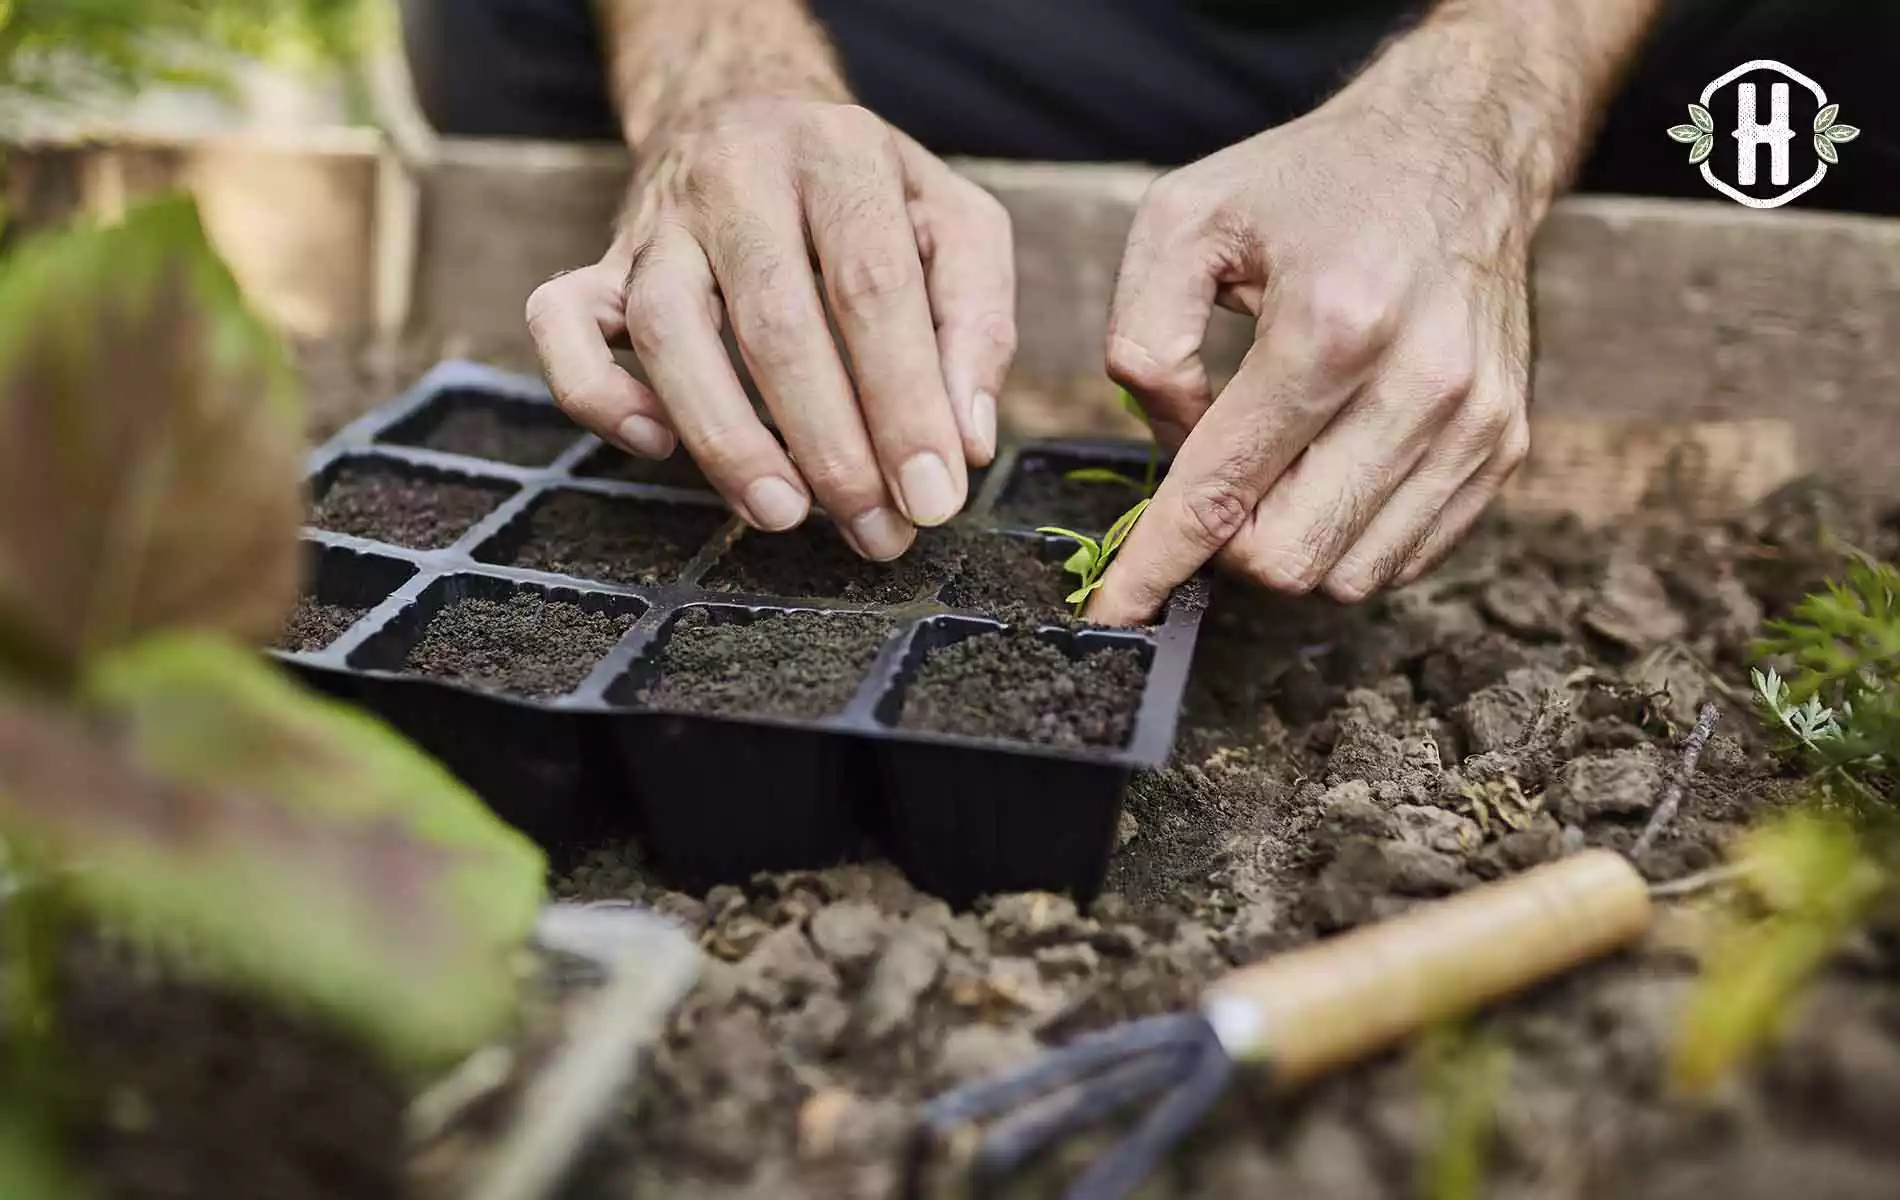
1090,561
1108,475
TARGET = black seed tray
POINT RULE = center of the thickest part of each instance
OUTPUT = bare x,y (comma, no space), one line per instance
714,798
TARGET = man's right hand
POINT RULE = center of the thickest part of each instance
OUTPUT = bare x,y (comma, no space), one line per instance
746,218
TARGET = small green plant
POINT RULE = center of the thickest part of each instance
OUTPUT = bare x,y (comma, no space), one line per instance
1829,688
1108,475
1090,561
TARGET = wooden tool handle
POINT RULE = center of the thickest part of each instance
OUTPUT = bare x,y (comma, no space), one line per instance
1315,1009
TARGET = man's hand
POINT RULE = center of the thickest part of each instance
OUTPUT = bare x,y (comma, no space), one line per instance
1381,244
774,212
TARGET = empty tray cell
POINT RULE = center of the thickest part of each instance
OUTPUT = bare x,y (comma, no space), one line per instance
1047,687
385,500
341,586
1014,577
497,636
813,562
606,538
479,425
1043,490
617,466
733,661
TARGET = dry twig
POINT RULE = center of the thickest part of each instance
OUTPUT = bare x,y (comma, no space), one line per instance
1672,798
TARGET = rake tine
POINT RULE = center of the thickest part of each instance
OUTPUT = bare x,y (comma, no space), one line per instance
1121,1170
1022,1135
1058,1068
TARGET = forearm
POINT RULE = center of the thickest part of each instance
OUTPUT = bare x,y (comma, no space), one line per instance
676,63
1514,85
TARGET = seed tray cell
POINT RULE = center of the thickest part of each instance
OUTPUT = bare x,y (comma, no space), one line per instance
700,703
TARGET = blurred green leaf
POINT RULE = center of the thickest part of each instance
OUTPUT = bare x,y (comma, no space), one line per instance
1465,1077
293,842
150,445
74,49
1811,876
29,1159
1100,475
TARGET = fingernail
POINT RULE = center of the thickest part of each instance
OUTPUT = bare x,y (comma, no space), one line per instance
775,504
882,534
930,495
644,435
983,422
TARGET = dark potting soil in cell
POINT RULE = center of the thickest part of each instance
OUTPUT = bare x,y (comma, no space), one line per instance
313,626
801,666
1013,685
813,562
1038,498
615,541
532,437
526,646
1007,578
678,471
415,511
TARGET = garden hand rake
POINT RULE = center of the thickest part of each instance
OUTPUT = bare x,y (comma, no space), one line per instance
1296,1016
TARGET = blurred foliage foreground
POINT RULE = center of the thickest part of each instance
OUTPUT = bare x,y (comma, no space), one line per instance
74,49
159,778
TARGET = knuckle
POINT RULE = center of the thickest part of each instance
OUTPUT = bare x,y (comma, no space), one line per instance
843,124
1000,331
1139,370
1516,447
1217,511
1169,201
1348,317
872,280
652,312
1449,380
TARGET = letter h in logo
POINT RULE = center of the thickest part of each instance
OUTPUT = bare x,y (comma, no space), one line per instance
1752,135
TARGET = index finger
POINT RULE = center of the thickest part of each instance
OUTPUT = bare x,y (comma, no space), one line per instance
1276,404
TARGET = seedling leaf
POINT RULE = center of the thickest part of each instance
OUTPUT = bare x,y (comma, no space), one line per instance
1123,526
1699,153
1826,149
294,843
1133,407
1703,118
1080,562
1826,117
1081,594
1100,475
150,446
1685,133
1842,133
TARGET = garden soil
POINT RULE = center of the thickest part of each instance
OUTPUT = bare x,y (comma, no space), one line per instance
1335,766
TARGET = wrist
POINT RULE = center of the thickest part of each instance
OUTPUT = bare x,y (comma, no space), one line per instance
1498,100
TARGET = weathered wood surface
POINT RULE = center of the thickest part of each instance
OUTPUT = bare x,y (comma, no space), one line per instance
1759,344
